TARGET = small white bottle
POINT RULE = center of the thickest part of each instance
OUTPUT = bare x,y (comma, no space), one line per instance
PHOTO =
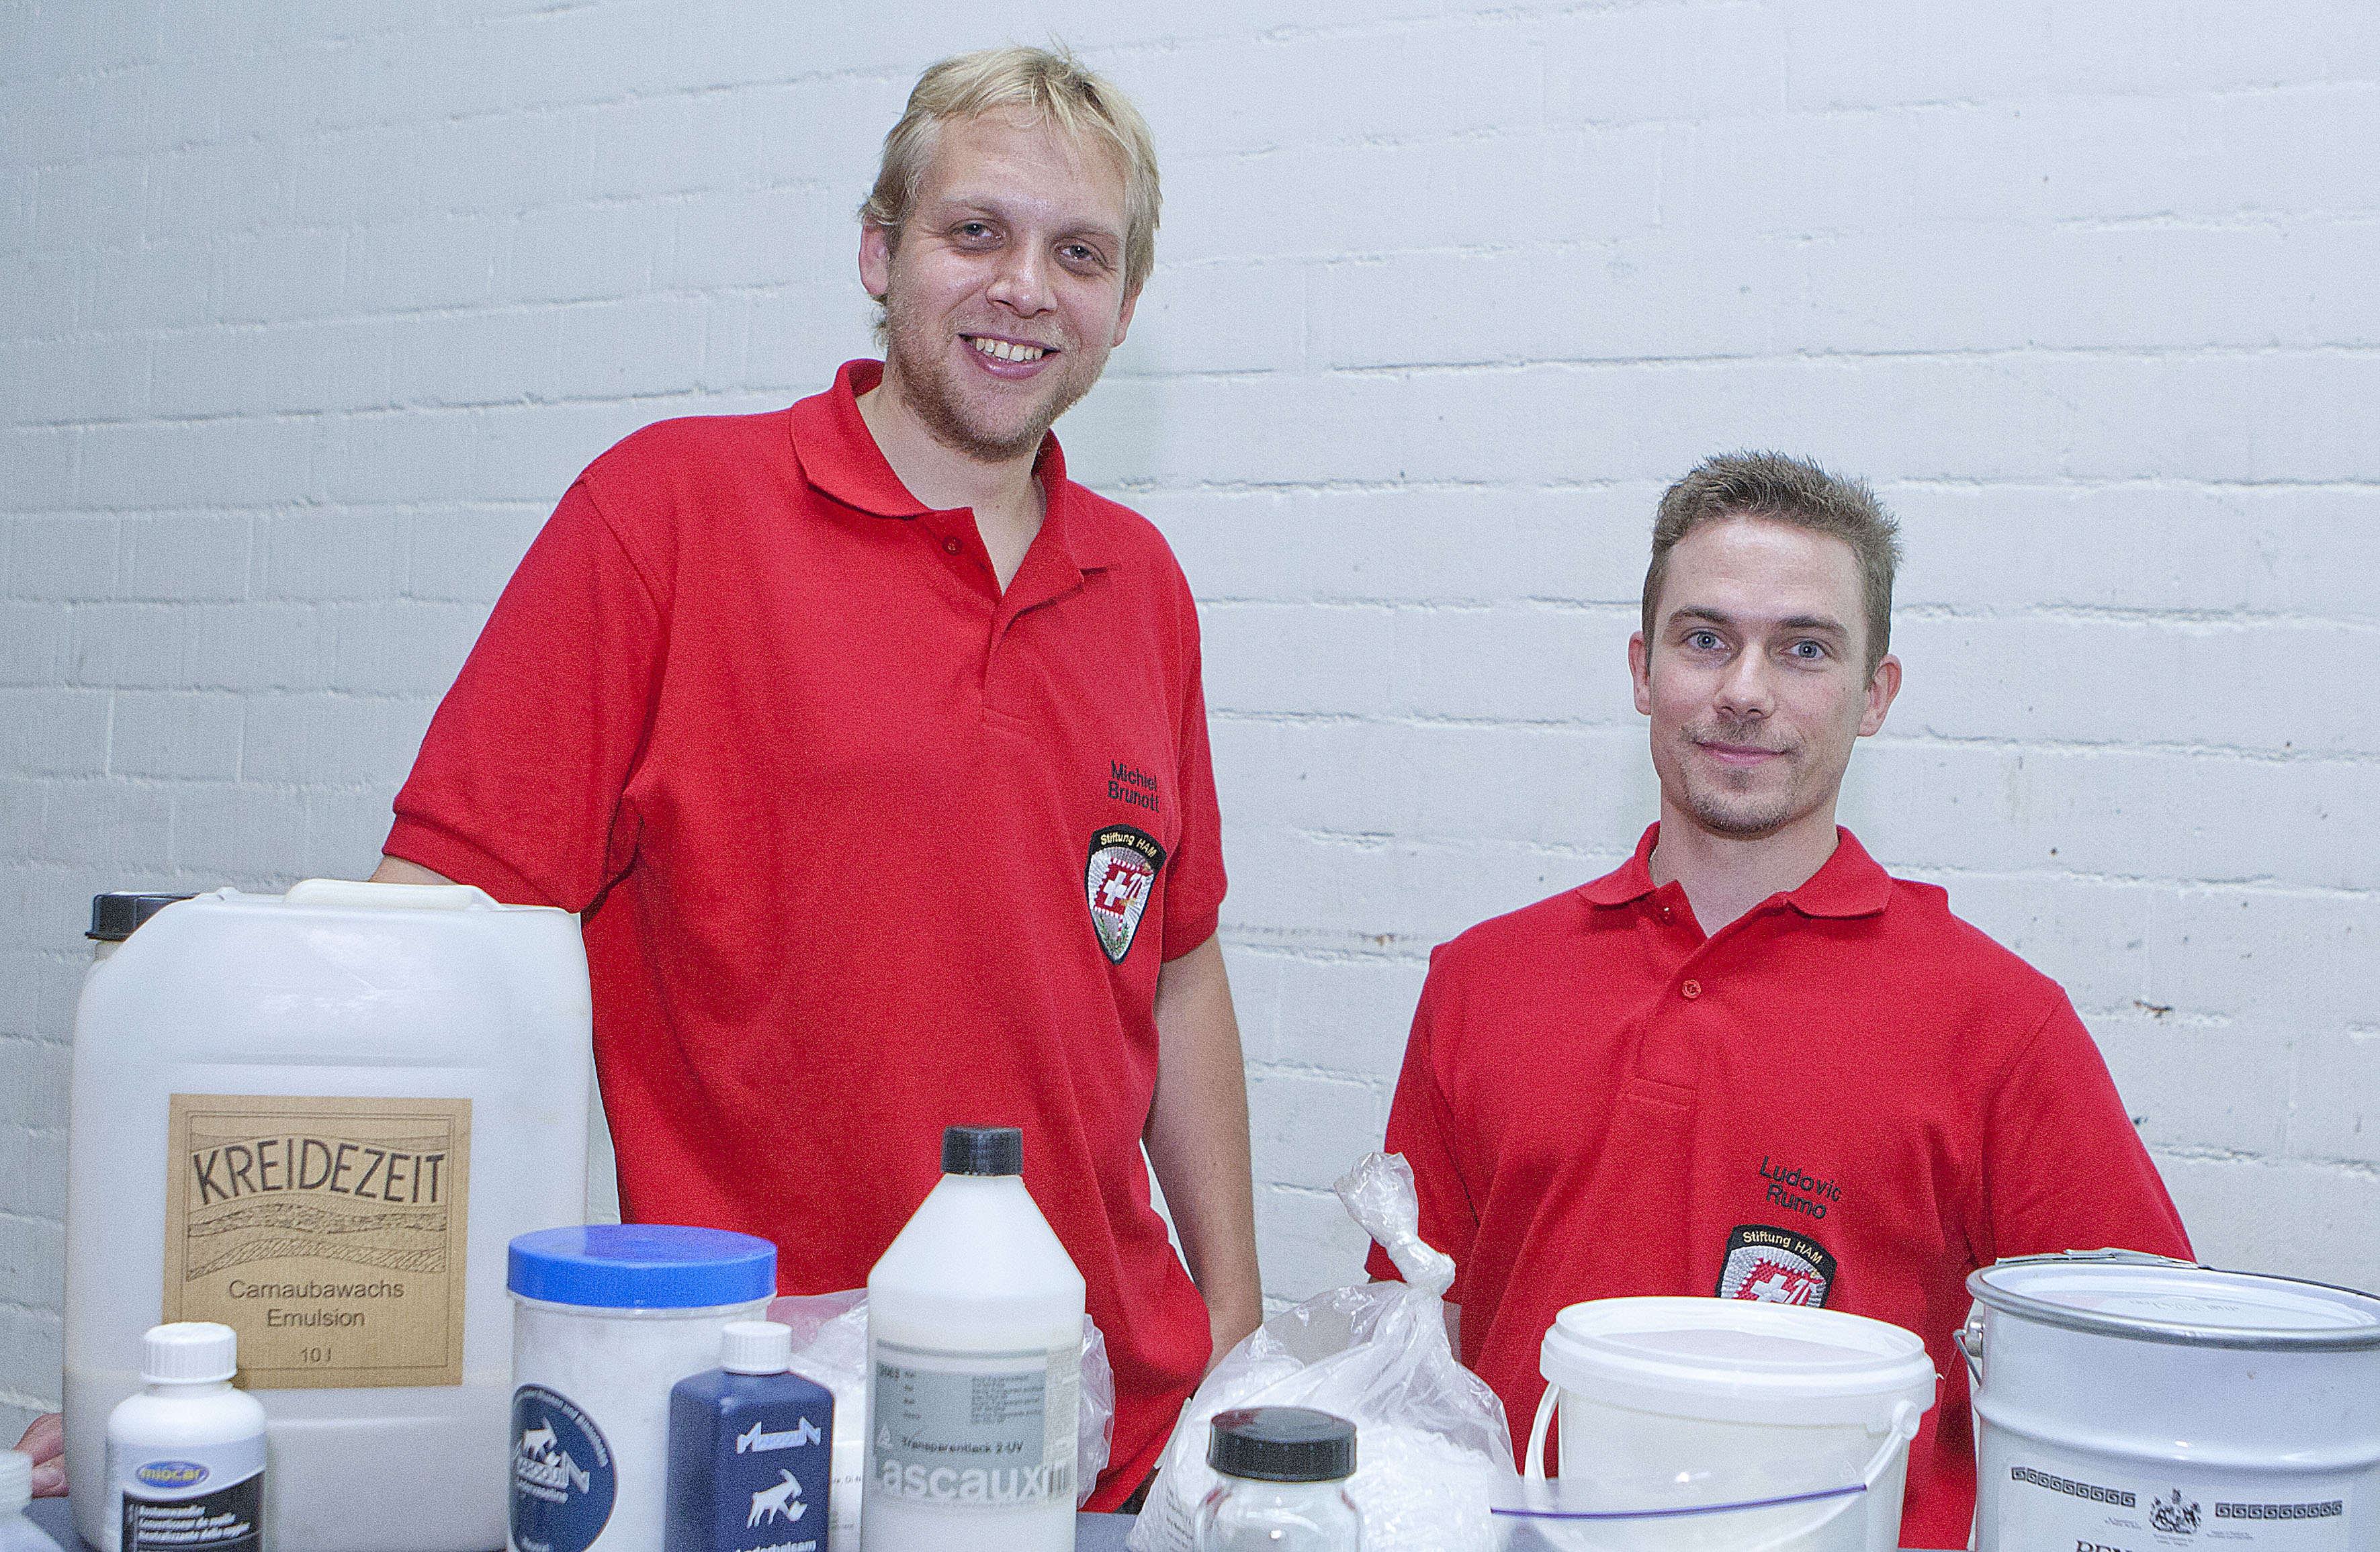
186,1457
16,1532
975,1348
1284,1486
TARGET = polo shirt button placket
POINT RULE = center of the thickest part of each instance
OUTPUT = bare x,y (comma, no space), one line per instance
951,545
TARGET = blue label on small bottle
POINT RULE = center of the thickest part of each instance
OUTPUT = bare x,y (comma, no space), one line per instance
171,1473
562,1476
750,1459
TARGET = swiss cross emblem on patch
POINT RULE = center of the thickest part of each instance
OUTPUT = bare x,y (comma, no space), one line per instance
1774,1267
1121,876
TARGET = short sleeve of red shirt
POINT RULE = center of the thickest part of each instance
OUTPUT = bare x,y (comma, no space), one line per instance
543,724
2051,1181
1422,1132
1194,896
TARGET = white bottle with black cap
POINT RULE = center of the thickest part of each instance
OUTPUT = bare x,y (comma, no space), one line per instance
975,1341
186,1457
1284,1486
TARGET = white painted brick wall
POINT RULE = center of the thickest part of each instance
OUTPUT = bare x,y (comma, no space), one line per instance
313,311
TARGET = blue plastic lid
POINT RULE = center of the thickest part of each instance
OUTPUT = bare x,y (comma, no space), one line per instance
641,1266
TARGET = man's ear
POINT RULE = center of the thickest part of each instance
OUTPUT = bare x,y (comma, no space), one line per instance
1882,685
1640,668
1123,318
876,259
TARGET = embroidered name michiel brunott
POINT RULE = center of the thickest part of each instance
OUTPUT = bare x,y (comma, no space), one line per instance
1121,878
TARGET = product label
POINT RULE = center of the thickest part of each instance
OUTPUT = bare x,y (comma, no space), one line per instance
563,1477
768,1481
2059,1506
329,1233
209,1496
975,1427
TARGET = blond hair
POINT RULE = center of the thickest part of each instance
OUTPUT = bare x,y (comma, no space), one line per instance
1049,85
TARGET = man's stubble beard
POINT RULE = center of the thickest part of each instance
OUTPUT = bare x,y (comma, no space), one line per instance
927,388
1723,811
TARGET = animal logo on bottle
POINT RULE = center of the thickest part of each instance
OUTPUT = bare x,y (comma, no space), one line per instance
785,1499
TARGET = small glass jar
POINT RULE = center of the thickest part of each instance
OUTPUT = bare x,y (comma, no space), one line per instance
1285,1473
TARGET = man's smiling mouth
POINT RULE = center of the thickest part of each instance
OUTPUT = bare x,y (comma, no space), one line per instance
1001,350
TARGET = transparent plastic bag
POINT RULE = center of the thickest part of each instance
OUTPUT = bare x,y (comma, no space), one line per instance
830,1347
1432,1451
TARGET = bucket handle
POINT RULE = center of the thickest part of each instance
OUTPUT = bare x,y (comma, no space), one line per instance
1906,1417
1535,1467
1971,1342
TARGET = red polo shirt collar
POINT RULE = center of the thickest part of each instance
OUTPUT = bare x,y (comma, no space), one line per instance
839,457
1848,884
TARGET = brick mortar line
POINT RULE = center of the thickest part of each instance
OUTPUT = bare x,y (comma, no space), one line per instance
1408,843
2261,889
1292,955
2198,619
2162,748
1285,1068
2007,485
2284,223
1539,125
444,313
2135,1010
1322,1192
2247,1159
1977,356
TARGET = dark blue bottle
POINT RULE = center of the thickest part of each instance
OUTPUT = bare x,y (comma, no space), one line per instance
750,1450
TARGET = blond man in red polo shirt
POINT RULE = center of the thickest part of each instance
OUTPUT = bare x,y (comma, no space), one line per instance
1749,1063
872,749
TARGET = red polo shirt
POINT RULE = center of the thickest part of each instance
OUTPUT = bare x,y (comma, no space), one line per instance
865,845
1846,1097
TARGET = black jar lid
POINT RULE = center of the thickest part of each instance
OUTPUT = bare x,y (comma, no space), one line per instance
983,1150
1281,1444
115,917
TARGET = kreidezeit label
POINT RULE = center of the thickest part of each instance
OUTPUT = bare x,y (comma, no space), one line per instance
328,1232
2045,1503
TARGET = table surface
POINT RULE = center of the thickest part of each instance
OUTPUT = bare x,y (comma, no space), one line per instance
1093,1532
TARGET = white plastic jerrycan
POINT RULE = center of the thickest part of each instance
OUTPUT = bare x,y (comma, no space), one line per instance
319,1118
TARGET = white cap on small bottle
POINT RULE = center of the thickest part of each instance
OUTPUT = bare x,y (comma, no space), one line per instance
16,1480
756,1347
188,1353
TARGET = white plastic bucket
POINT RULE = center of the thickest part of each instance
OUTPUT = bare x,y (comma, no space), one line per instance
2130,1401
318,1118
1726,1423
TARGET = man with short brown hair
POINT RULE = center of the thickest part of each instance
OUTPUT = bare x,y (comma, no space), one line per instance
1749,1063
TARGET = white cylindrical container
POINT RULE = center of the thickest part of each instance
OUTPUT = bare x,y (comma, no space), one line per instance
186,1457
607,1318
1284,1483
318,1118
975,1336
2130,1401
1732,1423
18,1534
